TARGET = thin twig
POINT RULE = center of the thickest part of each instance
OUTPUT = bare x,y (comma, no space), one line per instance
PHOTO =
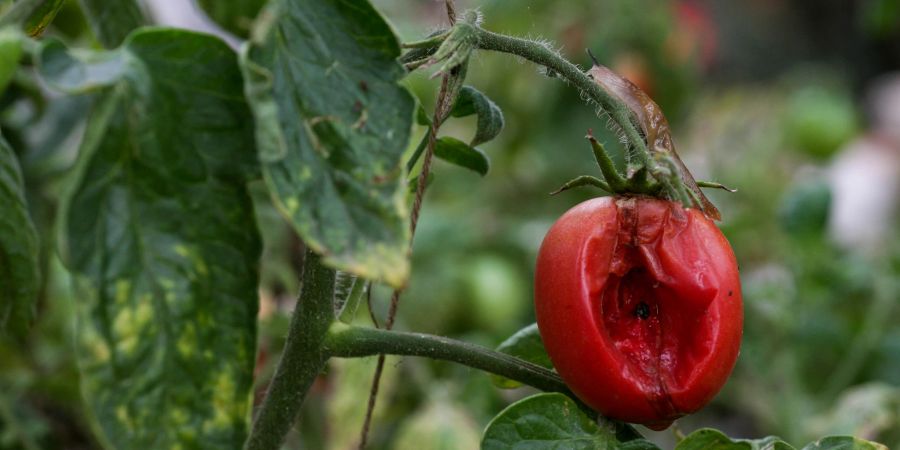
440,112
451,11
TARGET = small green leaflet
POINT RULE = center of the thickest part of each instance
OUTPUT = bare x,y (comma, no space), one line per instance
490,117
19,250
525,344
711,439
551,421
490,122
159,232
112,20
461,154
332,125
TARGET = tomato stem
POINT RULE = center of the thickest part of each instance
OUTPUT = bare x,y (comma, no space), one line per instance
347,341
302,359
456,45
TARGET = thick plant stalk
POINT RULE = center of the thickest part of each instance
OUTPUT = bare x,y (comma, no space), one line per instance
301,361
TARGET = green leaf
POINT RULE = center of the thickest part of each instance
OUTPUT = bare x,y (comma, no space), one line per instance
159,232
19,250
546,421
490,117
524,344
112,21
422,116
843,443
10,52
461,154
348,294
332,125
711,439
34,16
413,183
235,16
42,16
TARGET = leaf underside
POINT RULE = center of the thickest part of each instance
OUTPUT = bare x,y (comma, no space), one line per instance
332,127
159,231
490,120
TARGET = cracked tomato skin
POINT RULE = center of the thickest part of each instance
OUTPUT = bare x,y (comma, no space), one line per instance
638,302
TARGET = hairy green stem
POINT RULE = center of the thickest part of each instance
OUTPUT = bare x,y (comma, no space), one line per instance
345,341
301,361
540,54
348,341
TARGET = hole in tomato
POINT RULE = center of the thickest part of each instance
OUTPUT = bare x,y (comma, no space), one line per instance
642,311
661,337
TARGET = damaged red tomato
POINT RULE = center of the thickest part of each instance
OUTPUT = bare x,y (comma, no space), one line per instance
638,302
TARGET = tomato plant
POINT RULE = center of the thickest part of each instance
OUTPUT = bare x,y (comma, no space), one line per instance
638,302
177,142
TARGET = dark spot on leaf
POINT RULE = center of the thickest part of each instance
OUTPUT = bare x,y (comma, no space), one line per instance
357,106
363,86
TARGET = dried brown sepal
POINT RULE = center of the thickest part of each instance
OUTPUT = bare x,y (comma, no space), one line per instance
653,124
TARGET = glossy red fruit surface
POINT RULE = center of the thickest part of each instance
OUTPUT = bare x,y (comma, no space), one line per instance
638,302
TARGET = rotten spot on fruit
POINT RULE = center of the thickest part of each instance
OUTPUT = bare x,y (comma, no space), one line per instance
642,311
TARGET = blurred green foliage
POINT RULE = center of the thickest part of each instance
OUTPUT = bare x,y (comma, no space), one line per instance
821,352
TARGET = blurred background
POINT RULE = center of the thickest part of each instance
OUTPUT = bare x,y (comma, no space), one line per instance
794,103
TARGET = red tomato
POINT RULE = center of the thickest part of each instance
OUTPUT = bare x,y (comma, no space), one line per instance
638,303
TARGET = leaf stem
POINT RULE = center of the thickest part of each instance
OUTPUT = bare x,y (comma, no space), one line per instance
347,341
302,359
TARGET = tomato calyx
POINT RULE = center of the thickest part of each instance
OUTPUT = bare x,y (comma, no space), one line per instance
638,181
666,177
